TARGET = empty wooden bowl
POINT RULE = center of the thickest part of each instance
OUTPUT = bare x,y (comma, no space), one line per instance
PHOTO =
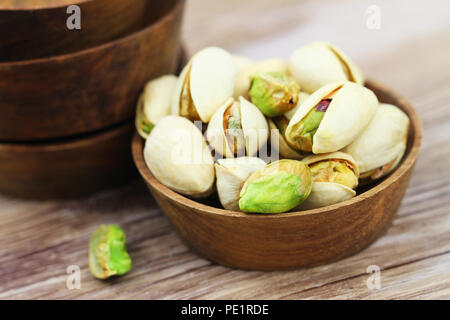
295,239
32,29
69,168
88,90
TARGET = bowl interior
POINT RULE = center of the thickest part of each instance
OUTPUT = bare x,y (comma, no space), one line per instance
212,205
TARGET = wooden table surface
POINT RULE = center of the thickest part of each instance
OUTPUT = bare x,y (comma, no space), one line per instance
410,53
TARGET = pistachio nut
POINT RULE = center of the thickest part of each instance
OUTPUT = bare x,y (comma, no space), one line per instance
278,126
245,75
154,103
107,252
278,187
320,63
231,174
177,155
335,176
238,128
381,146
331,118
274,93
204,85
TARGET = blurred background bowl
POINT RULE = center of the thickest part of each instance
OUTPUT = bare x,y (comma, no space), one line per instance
294,239
90,90
32,29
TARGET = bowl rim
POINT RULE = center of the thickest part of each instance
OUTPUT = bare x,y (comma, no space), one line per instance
42,7
177,6
406,164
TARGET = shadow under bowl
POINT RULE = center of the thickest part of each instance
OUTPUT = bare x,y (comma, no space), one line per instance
294,239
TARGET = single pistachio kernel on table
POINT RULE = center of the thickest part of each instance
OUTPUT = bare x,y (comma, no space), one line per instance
277,188
274,93
107,252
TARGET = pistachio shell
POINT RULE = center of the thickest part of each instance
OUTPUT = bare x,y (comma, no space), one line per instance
254,129
241,62
231,174
178,156
320,63
276,188
245,75
283,147
383,141
154,103
333,155
209,80
325,194
351,109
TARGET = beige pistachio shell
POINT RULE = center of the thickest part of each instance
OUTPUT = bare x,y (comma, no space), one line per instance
231,174
384,140
244,76
155,102
242,63
320,63
284,148
350,111
177,155
333,155
212,75
254,129
325,194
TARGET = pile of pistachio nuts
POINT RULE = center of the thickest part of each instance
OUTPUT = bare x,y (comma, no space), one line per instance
211,129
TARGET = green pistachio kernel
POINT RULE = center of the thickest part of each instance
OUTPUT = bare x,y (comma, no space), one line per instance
274,93
278,187
304,131
107,252
147,127
334,170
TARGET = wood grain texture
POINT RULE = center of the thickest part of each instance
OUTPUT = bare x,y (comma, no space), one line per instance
295,239
38,240
89,90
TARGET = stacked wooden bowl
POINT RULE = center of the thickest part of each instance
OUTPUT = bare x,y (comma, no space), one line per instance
67,97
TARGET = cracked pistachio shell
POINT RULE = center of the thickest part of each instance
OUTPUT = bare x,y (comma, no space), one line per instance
231,174
278,127
250,133
351,109
278,187
154,103
320,63
245,75
107,252
274,93
204,85
177,155
382,143
325,193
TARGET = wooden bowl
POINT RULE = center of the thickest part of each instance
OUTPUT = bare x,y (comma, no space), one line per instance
296,239
32,29
67,169
90,90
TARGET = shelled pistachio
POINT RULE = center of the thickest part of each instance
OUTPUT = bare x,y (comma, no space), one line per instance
231,174
278,187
